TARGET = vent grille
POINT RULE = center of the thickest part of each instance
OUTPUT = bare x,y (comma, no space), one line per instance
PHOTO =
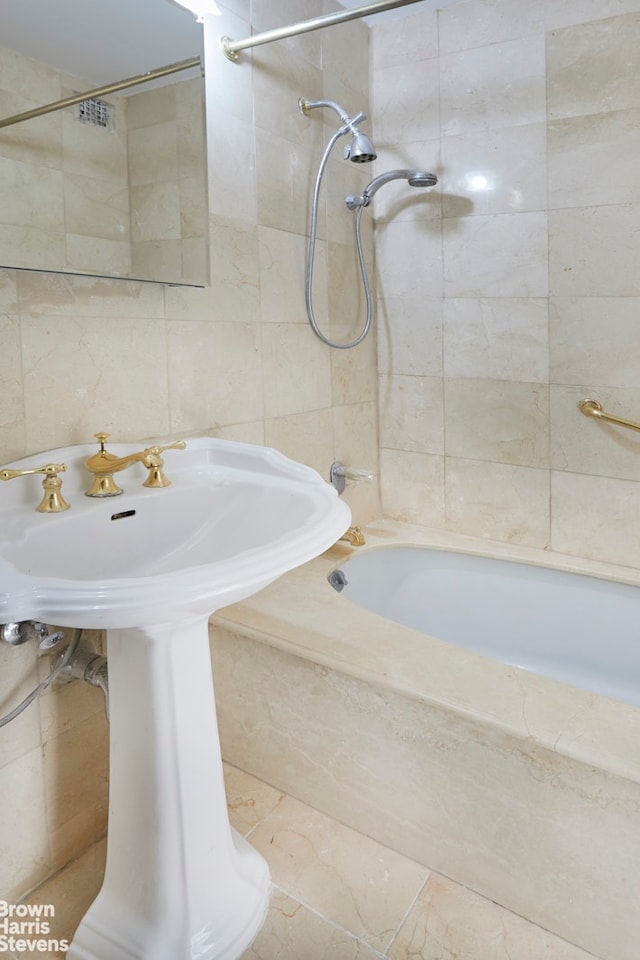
98,113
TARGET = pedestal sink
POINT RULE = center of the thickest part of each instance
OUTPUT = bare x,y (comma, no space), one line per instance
150,567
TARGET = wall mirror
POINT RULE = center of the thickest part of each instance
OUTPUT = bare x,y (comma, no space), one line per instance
115,186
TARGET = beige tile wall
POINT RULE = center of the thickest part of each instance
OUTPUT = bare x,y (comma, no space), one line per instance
235,359
64,201
505,300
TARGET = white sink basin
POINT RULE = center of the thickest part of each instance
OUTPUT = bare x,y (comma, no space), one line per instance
234,518
150,566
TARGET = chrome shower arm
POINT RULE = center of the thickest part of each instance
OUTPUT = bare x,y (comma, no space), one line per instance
306,106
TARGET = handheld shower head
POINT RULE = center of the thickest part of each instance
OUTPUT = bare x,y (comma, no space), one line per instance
415,178
360,150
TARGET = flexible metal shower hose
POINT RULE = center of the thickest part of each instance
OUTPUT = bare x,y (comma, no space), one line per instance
311,255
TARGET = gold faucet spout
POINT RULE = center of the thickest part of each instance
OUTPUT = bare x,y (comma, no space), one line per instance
103,465
354,536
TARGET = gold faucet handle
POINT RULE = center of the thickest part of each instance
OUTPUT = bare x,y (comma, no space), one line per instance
154,463
156,451
50,469
52,501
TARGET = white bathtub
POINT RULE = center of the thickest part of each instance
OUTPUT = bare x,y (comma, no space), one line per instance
573,628
522,787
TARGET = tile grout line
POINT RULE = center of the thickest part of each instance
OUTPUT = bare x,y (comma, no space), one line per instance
408,910
329,922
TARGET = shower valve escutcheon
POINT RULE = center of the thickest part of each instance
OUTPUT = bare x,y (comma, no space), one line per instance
102,465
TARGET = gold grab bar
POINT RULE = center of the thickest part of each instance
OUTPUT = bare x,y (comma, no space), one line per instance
233,47
102,91
591,408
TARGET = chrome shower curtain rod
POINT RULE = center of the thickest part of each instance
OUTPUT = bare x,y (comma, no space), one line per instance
232,47
103,91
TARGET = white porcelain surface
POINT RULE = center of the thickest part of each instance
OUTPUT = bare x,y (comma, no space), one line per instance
178,884
234,518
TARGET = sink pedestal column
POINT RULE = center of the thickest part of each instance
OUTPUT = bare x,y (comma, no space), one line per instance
179,883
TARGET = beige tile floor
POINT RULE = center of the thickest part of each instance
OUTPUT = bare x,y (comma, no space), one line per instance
337,895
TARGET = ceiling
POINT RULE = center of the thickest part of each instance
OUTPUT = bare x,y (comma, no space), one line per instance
100,40
106,40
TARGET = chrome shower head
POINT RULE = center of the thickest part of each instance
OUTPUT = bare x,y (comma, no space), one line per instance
420,178
415,178
360,150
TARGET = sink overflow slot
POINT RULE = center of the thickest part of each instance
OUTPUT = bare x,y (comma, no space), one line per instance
123,514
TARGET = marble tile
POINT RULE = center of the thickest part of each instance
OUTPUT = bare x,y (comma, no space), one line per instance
480,22
590,517
398,118
353,372
19,677
603,145
155,211
46,295
412,413
151,107
504,173
410,336
345,59
500,338
305,437
249,800
29,247
76,782
32,195
356,444
593,251
412,486
292,931
499,85
35,80
502,255
12,437
95,254
593,340
95,151
276,94
151,259
220,362
583,445
499,420
26,855
231,147
571,12
70,894
351,880
77,383
153,154
284,171
235,276
296,370
409,259
96,207
449,922
592,68
283,258
497,500
410,38
492,808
